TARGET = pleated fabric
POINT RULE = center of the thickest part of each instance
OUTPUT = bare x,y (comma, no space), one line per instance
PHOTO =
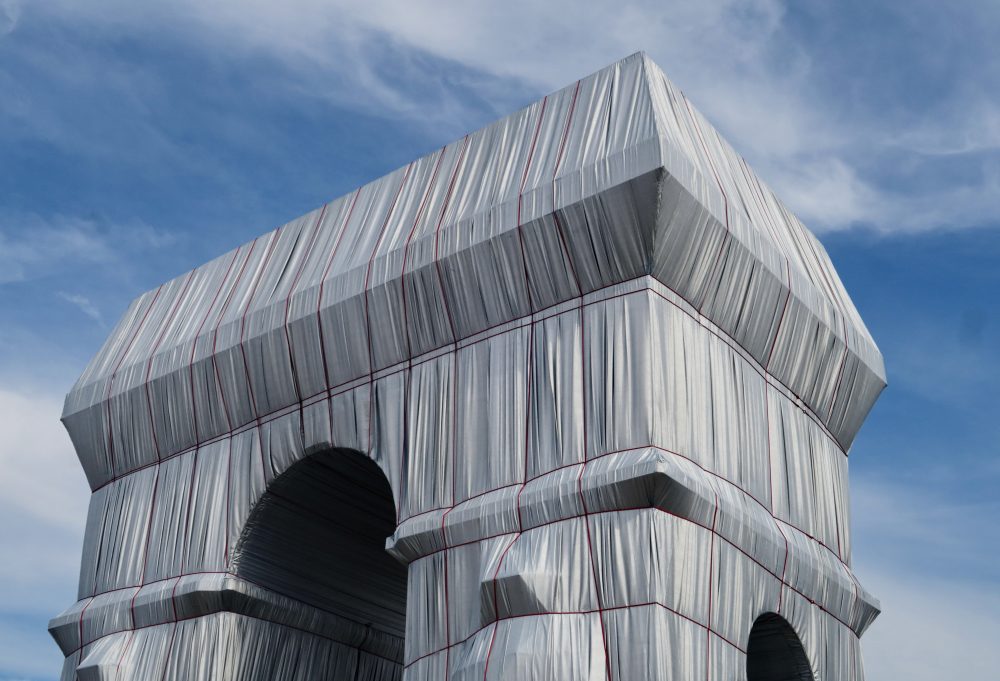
606,382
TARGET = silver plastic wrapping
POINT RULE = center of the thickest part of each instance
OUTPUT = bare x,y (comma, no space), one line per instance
569,398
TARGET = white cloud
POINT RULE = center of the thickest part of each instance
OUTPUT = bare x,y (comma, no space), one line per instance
931,629
969,125
929,558
10,14
828,193
42,479
32,246
974,203
38,362
26,656
43,500
544,45
84,304
43,506
739,67
916,524
757,80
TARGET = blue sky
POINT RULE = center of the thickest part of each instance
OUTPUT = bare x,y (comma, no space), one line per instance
137,140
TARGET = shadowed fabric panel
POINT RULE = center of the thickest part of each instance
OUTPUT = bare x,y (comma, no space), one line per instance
318,535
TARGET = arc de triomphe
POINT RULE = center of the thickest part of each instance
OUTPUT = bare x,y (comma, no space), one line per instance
568,398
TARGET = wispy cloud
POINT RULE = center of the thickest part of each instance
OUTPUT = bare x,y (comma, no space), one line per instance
43,503
84,304
34,449
10,13
848,131
32,246
928,557
931,628
841,158
921,527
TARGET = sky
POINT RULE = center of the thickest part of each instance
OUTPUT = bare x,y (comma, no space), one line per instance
138,140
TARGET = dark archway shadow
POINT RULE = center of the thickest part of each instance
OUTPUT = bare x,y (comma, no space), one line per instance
318,535
775,653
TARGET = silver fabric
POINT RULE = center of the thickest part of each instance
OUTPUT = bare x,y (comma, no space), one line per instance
611,383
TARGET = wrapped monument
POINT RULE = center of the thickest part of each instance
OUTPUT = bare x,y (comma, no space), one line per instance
569,398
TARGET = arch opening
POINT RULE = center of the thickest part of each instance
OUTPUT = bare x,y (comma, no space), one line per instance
775,653
318,535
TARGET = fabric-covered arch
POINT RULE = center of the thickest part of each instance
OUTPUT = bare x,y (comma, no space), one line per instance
610,379
317,535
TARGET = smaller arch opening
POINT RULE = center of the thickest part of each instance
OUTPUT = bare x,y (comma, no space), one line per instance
775,653
318,535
